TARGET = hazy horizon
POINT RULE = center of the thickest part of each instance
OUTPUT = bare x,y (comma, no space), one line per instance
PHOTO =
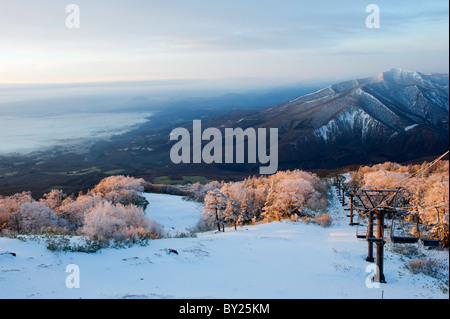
157,90
241,44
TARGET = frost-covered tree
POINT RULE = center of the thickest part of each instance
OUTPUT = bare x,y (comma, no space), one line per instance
108,211
10,219
108,222
215,204
246,209
35,217
3,214
198,191
270,209
267,198
53,199
74,210
121,189
232,212
20,213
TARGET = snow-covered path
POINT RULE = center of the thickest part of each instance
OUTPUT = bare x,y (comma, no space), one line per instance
271,261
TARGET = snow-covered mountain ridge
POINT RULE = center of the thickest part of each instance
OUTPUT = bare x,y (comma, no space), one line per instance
397,99
397,115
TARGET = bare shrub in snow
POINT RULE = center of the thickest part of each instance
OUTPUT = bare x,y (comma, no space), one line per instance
306,219
20,213
120,189
53,199
73,210
107,212
108,222
35,217
9,210
323,220
427,267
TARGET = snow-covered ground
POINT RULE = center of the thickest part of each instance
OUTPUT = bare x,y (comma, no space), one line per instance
173,213
277,260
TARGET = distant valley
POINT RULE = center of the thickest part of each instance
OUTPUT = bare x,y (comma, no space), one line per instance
87,150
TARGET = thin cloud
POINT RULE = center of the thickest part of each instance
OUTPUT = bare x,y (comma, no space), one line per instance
138,39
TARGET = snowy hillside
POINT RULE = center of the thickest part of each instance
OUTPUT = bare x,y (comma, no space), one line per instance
272,260
397,98
398,115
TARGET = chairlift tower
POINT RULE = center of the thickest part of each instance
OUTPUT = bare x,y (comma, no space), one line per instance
378,204
350,191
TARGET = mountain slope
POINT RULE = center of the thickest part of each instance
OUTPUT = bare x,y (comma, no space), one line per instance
397,115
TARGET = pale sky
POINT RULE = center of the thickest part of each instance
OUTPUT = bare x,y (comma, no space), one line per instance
253,41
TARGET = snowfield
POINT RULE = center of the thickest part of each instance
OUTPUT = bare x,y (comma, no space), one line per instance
271,261
173,213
